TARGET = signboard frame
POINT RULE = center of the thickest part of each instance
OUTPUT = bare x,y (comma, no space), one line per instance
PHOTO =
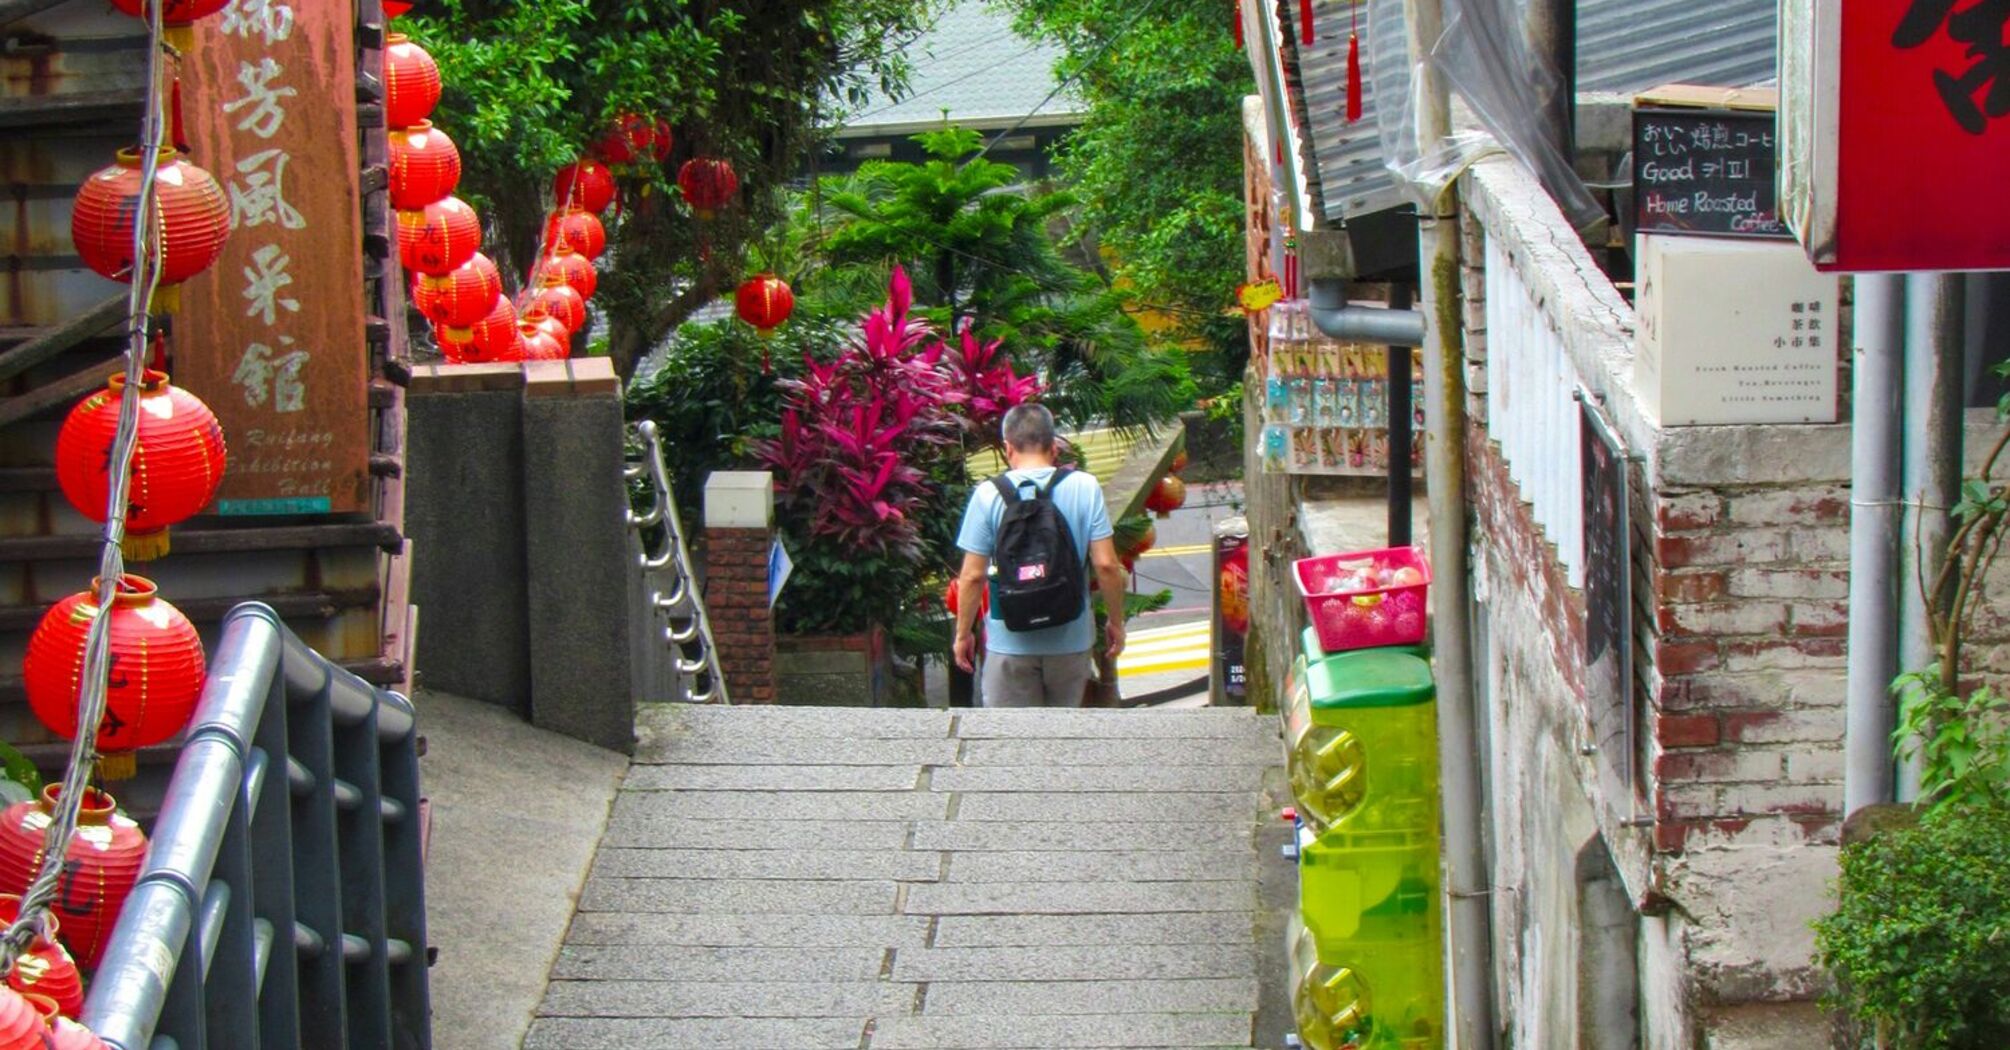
1644,113
1610,697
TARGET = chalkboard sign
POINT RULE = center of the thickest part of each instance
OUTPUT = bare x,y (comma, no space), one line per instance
1706,172
1608,600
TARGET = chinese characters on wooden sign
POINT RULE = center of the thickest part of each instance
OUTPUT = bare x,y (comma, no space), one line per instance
272,337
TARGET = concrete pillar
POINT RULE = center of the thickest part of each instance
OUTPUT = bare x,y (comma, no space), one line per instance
739,536
523,564
580,584
464,511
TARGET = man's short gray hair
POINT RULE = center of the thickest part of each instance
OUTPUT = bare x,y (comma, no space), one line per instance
1029,428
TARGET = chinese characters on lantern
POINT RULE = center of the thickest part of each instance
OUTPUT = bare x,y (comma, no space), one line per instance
280,349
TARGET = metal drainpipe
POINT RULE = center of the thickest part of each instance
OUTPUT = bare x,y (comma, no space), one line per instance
1340,319
1930,463
1877,375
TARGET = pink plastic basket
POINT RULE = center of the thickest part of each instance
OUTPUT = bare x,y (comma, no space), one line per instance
1352,616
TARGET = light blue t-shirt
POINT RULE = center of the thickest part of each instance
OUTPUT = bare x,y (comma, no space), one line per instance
1079,498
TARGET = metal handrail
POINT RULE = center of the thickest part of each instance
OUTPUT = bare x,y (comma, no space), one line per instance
327,853
683,601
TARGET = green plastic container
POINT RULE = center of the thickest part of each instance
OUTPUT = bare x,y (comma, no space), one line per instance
1362,733
1383,996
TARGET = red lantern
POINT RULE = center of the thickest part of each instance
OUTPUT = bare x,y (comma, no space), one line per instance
558,300
536,317
708,183
177,462
157,668
45,968
1132,551
573,268
764,301
66,1034
411,82
195,219
1179,462
21,1024
579,230
495,336
584,185
539,344
462,298
438,238
1168,496
100,866
452,352
178,17
664,140
425,166
632,137
394,8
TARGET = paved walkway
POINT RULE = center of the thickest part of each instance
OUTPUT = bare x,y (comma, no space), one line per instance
809,878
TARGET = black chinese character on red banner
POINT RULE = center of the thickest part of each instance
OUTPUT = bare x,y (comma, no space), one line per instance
1980,93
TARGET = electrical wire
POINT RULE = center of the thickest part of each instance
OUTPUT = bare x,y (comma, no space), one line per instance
145,279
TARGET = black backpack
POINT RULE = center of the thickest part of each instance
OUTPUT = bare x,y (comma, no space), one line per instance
1040,580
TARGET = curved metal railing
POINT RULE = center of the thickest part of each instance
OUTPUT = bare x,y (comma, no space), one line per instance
282,903
682,609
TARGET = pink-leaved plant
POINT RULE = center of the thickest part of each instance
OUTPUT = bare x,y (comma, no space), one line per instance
858,432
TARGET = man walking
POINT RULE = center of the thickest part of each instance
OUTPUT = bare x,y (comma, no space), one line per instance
1041,525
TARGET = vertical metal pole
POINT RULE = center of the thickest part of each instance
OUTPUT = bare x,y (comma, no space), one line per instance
1400,430
1930,469
1877,376
1468,908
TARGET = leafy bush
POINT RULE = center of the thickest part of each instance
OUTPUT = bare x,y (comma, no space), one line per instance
1920,942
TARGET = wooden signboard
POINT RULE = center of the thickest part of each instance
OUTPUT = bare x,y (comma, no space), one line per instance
272,336
1703,161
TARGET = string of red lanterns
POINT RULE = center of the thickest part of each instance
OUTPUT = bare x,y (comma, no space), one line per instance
176,463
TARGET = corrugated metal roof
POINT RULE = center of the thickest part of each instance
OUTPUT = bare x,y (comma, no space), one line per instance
971,63
1622,45
1633,45
1346,156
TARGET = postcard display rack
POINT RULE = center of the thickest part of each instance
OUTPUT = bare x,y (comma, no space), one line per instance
1326,403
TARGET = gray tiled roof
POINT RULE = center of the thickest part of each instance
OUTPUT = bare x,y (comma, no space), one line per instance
972,64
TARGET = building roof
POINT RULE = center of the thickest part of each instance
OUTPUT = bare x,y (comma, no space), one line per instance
971,63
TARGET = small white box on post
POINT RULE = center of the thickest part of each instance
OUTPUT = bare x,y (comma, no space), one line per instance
1735,331
739,499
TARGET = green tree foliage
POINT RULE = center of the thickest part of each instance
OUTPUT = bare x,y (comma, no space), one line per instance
530,82
1158,159
1920,941
985,253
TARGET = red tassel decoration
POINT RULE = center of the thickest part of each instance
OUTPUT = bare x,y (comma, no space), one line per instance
1305,16
176,132
1353,77
1238,25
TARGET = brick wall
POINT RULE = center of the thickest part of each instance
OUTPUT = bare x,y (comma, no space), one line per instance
736,599
1751,610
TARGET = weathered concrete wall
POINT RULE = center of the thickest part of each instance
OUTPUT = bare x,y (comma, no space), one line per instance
1740,551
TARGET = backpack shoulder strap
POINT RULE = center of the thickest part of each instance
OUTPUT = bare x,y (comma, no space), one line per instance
1006,492
1060,474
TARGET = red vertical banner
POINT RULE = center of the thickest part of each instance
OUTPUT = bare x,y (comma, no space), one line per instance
273,336
1923,136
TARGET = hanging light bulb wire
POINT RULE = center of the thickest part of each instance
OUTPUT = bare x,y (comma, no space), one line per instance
146,250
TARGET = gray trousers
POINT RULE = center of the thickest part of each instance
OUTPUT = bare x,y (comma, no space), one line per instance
1035,681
